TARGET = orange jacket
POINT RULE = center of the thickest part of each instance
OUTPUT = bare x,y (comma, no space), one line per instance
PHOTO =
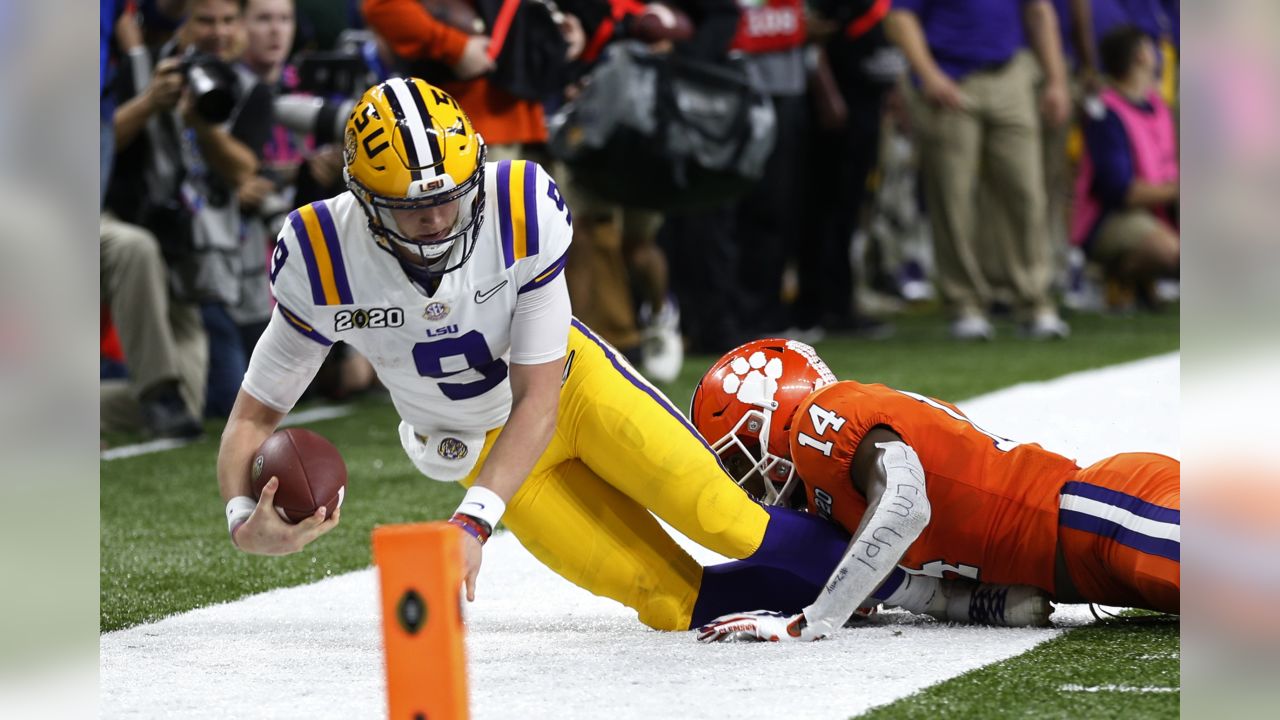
414,34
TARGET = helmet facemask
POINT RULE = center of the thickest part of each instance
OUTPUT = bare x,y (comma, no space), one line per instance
466,227
744,406
767,477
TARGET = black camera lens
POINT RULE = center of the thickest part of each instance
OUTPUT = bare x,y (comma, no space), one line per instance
213,86
213,102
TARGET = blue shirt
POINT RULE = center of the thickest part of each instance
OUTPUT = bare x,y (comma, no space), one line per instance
966,36
106,29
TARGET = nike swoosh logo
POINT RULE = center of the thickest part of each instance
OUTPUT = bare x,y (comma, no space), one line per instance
482,296
472,502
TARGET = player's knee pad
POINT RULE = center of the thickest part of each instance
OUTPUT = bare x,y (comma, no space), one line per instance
662,611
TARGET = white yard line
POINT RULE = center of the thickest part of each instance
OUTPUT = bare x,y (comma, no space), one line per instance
144,448
328,412
542,648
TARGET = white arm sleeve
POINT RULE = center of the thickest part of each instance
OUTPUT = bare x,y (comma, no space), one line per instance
282,366
540,326
897,520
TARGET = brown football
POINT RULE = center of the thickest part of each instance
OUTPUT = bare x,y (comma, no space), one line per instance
311,471
459,14
661,22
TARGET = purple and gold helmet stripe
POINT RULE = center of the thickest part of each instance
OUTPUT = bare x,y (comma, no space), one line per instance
518,209
301,326
395,86
322,254
547,275
433,140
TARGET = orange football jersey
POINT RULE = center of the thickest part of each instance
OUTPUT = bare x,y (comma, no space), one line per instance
994,501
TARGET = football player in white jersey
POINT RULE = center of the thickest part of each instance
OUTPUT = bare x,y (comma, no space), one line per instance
445,272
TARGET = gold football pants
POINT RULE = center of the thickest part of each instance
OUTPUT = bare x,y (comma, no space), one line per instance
621,451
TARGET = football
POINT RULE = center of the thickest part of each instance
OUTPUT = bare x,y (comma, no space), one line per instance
458,14
311,471
661,22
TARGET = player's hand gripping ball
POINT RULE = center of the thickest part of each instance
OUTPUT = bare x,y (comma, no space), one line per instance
311,471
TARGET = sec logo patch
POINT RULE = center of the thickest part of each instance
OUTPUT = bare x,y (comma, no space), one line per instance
435,311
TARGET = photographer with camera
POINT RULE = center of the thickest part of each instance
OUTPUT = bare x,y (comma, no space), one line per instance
162,336
180,166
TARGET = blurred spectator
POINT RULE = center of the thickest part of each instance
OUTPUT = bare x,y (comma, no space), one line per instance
512,127
732,259
1079,49
216,27
843,149
766,222
975,113
615,253
163,341
178,173
110,12
1127,191
267,196
1157,18
899,248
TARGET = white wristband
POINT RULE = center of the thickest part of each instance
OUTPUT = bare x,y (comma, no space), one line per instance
239,509
483,504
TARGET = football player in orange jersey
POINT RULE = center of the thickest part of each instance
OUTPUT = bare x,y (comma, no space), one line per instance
918,484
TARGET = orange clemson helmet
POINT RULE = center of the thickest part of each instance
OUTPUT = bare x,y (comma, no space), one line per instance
744,406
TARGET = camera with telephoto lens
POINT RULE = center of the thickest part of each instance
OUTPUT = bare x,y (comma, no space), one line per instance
328,86
213,84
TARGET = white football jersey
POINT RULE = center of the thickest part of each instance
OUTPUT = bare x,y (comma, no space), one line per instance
443,357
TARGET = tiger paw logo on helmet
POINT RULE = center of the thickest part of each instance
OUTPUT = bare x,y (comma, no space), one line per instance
754,380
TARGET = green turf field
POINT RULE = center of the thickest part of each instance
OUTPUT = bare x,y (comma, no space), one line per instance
1121,668
165,550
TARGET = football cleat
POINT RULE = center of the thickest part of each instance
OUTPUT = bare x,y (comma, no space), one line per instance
962,601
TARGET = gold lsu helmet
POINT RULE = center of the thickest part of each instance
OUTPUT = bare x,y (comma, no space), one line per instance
408,145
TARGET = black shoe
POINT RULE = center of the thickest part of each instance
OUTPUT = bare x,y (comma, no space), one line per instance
167,416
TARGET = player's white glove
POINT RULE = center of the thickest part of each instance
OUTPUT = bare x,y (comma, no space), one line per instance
758,626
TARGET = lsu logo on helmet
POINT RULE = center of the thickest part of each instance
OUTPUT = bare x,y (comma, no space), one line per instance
409,146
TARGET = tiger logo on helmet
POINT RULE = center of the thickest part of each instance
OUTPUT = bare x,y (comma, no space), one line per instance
409,146
744,406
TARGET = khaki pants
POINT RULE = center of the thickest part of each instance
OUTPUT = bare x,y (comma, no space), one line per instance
598,274
162,340
993,149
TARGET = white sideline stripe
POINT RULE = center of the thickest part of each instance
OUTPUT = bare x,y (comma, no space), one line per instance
540,647
327,412
1118,688
151,446
1122,517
